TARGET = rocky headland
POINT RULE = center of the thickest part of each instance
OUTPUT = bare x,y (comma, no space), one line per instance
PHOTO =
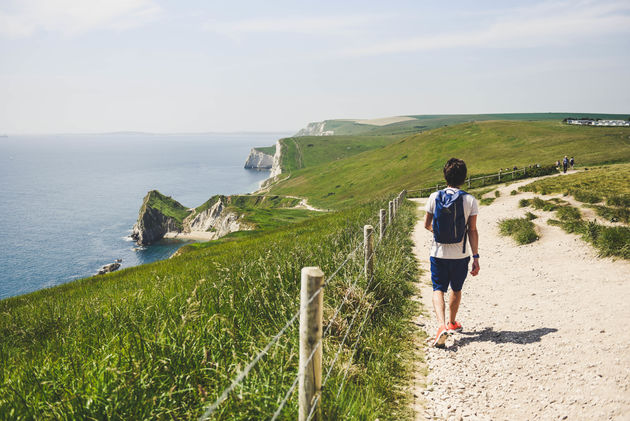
163,217
259,160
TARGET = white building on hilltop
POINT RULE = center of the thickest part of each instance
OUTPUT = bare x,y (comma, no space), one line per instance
602,123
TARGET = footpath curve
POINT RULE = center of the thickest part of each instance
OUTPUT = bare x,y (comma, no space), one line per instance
545,335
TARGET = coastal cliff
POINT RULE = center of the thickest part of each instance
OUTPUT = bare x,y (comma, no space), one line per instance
162,217
158,215
315,129
259,160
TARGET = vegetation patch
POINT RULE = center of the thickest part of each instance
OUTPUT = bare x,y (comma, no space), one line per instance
612,214
521,229
609,182
166,205
487,201
269,150
609,241
162,340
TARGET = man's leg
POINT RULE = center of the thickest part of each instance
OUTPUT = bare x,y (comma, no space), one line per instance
438,306
453,305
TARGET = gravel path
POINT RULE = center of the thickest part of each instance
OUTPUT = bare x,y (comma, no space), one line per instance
546,329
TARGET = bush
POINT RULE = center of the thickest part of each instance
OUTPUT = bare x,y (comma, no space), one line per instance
513,192
497,193
523,203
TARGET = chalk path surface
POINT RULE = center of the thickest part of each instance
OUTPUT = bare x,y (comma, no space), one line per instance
546,328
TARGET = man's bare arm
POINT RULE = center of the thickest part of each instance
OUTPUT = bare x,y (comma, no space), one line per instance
473,238
428,221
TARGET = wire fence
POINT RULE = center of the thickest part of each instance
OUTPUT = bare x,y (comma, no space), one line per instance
370,252
485,180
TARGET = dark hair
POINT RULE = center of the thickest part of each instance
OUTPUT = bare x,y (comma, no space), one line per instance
455,172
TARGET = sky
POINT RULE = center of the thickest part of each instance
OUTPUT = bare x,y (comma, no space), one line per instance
79,66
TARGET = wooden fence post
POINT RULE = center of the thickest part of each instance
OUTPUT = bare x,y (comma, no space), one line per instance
310,374
499,176
368,248
389,215
381,224
468,182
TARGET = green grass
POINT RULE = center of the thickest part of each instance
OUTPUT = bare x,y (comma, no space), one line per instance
606,183
162,340
308,151
613,214
538,203
610,183
609,241
486,201
530,216
520,229
417,160
269,150
166,205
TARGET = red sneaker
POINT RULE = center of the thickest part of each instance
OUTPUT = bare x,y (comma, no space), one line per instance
454,327
440,338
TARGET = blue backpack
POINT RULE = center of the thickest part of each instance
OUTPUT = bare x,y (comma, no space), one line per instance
449,221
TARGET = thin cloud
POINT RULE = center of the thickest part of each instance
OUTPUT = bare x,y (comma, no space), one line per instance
69,17
296,24
559,23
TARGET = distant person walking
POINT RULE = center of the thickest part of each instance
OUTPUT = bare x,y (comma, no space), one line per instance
451,215
571,162
565,163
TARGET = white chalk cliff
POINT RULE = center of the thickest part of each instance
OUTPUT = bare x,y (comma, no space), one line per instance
216,221
315,129
259,160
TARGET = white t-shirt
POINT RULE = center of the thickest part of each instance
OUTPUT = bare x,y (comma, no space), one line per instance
452,251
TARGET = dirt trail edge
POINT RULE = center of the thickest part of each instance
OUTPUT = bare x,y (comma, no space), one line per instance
546,328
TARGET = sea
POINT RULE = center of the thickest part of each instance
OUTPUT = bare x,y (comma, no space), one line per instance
68,202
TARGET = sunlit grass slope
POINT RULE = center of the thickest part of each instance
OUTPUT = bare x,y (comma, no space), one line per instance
161,341
307,151
417,160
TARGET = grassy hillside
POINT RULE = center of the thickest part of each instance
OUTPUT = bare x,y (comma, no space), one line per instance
161,341
165,204
417,160
428,122
269,150
307,151
263,212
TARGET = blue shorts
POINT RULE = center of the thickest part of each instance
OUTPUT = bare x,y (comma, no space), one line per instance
448,271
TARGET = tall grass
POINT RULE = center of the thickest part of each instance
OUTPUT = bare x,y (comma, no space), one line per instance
163,340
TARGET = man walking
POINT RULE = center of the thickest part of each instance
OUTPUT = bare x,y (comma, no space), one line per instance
451,215
565,163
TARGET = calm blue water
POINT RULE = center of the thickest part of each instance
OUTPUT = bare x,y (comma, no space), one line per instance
67,203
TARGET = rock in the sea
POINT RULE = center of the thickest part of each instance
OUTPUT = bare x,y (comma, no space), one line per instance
258,160
109,268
